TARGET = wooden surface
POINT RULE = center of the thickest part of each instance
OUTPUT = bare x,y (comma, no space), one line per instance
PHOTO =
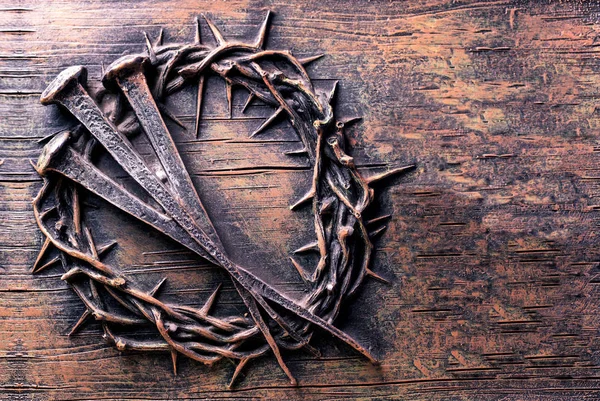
491,253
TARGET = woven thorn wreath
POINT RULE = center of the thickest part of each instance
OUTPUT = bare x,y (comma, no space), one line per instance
132,103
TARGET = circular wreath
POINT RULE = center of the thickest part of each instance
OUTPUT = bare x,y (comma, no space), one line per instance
339,195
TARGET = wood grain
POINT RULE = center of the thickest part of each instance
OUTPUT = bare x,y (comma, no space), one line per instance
492,249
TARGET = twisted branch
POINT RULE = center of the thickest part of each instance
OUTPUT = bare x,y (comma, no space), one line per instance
338,192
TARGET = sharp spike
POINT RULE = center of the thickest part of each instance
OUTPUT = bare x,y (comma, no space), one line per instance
298,152
284,367
52,135
378,219
104,248
308,196
267,122
307,60
229,93
210,301
331,95
76,211
387,174
151,53
301,271
313,246
164,110
248,101
45,266
375,233
376,276
237,371
157,287
91,244
174,360
159,38
48,137
85,316
215,31
199,105
47,212
326,204
349,121
41,254
262,32
197,36
264,328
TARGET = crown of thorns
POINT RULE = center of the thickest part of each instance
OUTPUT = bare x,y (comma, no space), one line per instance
130,103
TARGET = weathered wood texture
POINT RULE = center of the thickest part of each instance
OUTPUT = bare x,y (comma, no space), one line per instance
492,248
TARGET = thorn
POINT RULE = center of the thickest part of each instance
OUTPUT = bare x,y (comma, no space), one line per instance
40,256
312,349
267,122
174,360
308,196
248,101
376,276
313,246
197,35
349,121
262,32
301,271
237,371
76,211
159,39
209,302
229,92
298,152
48,211
199,105
215,31
326,204
82,320
264,328
106,247
50,136
387,174
307,60
45,266
332,92
150,48
102,69
91,244
157,287
378,219
375,233
163,109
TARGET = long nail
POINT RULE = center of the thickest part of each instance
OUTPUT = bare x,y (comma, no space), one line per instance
67,90
127,73
58,156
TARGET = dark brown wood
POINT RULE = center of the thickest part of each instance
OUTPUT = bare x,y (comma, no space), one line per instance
491,250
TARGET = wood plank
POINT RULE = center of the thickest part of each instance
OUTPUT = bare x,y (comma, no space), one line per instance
492,250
